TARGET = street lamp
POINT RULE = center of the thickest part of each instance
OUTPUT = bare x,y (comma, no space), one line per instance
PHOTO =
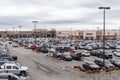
104,8
35,31
20,31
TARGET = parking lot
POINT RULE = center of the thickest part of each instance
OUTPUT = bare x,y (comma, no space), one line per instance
43,67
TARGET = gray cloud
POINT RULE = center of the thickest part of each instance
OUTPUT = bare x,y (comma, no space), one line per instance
50,12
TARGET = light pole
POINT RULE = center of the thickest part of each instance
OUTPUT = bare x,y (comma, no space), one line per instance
119,32
35,31
20,31
13,32
104,8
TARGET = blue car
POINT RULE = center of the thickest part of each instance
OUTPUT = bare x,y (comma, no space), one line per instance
56,54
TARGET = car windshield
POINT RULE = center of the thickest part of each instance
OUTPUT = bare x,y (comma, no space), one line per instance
18,64
2,52
91,63
117,51
118,61
66,54
107,62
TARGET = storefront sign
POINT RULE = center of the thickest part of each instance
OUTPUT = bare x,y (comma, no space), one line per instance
89,33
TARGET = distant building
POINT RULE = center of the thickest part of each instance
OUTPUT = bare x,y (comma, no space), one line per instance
74,34
90,34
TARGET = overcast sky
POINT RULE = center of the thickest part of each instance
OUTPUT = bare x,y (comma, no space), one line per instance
59,14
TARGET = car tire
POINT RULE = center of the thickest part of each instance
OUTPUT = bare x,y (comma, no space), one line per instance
23,73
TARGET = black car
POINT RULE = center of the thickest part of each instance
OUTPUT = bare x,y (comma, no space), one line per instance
94,52
7,54
60,49
106,55
10,42
9,58
67,49
63,49
91,66
107,64
3,61
44,50
115,62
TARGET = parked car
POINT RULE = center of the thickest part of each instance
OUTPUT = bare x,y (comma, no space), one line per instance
2,61
79,47
60,49
107,55
88,47
32,46
10,42
15,45
94,52
10,76
86,53
66,56
107,64
63,49
117,53
9,58
115,62
44,50
115,50
76,55
14,68
91,66
6,54
56,54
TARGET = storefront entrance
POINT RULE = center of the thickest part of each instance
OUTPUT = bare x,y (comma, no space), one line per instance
89,38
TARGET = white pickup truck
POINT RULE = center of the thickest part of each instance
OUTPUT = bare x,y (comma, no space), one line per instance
14,68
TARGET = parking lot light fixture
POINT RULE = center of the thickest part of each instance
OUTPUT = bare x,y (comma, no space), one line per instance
35,31
104,8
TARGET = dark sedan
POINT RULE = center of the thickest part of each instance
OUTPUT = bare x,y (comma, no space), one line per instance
44,50
107,64
91,66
